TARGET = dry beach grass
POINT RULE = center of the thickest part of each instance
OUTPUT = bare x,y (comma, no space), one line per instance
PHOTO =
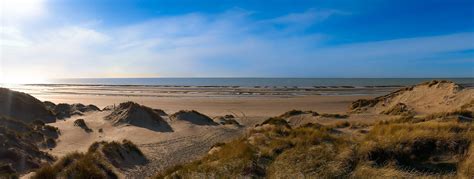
388,136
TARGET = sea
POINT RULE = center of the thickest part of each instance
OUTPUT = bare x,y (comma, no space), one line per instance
257,82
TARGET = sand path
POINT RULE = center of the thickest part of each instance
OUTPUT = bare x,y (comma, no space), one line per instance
187,142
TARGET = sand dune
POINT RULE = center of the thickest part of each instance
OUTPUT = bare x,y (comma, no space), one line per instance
19,152
121,155
24,107
102,160
63,110
308,144
188,135
227,120
186,142
82,124
130,113
425,98
193,117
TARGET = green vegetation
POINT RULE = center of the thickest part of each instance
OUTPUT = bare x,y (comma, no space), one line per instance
407,146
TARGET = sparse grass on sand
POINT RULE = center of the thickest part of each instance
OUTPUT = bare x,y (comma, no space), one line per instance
77,165
100,161
440,147
295,112
351,125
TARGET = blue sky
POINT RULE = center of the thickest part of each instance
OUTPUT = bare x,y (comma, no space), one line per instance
222,38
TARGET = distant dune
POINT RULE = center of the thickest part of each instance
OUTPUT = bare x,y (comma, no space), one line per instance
193,117
425,98
141,116
63,110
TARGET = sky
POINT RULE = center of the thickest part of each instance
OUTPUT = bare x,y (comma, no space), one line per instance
248,38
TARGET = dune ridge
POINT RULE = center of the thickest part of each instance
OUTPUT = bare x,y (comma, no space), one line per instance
193,117
23,107
102,160
63,110
130,113
424,98
20,142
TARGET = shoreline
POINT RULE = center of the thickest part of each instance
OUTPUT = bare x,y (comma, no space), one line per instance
211,101
224,82
201,91
219,106
219,86
177,91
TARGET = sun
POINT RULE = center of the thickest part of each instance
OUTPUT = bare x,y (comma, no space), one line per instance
21,8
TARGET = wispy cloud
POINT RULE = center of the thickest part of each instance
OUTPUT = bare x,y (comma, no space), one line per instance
231,43
310,16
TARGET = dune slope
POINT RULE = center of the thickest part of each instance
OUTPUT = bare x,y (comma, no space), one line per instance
193,117
424,98
19,152
131,113
23,107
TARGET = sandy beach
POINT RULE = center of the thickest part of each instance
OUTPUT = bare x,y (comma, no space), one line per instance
213,101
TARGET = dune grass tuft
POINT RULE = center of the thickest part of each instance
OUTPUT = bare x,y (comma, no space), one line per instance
337,116
403,147
95,163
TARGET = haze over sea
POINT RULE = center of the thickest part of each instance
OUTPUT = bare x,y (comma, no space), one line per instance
252,82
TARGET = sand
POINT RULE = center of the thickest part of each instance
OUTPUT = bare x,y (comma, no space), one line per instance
164,149
188,141
426,98
250,106
214,101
